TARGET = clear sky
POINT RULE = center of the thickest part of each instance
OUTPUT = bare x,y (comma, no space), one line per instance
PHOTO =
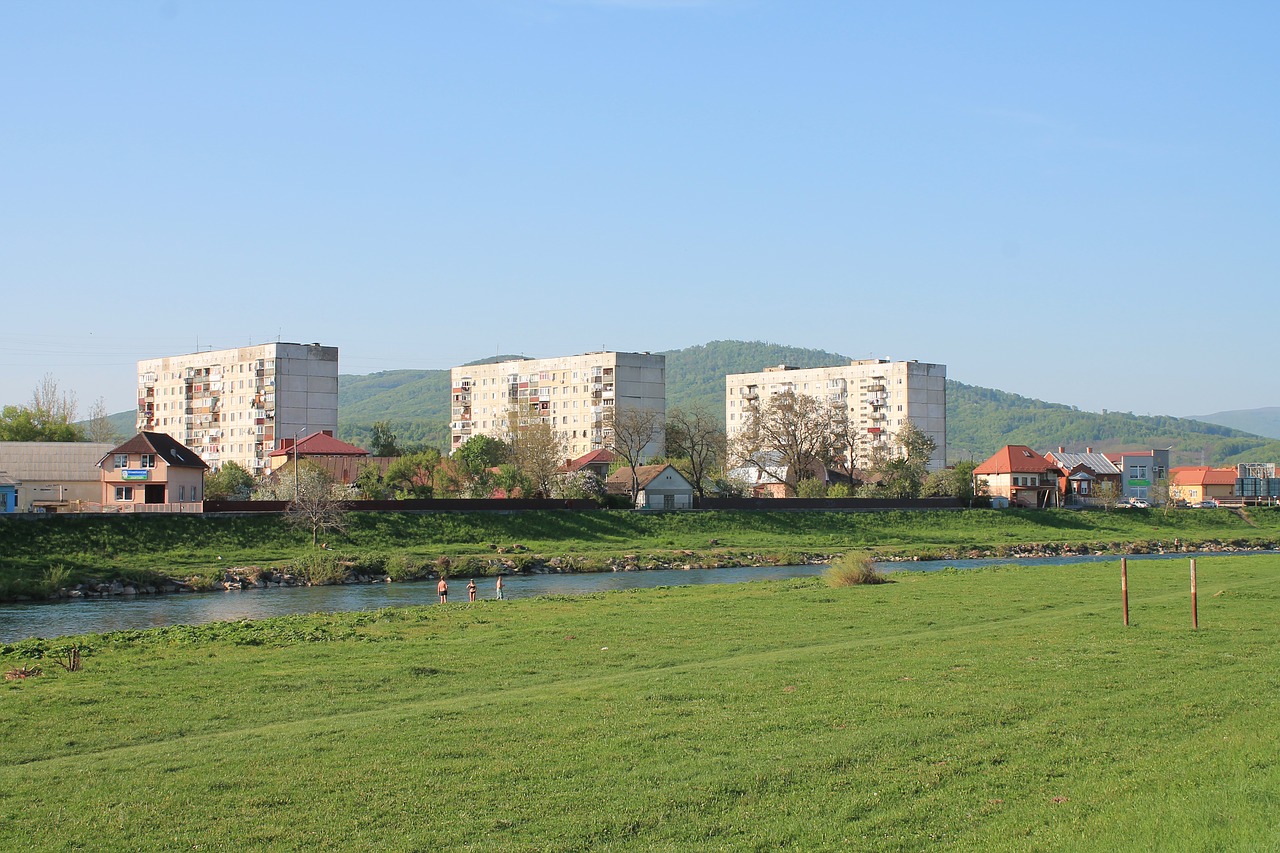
1073,201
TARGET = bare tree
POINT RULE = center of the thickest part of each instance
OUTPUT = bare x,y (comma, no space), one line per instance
795,429
696,435
316,503
629,432
99,427
537,449
48,401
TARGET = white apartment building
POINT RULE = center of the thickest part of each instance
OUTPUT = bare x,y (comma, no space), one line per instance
237,405
573,393
880,396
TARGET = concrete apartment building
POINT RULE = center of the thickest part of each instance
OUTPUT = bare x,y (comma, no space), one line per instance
573,393
880,396
238,405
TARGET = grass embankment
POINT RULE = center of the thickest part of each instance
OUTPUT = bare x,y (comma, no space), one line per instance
1003,709
38,557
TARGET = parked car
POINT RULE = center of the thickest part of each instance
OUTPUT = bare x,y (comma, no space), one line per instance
1209,504
1139,503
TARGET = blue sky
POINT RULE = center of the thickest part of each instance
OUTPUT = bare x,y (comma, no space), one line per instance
1077,202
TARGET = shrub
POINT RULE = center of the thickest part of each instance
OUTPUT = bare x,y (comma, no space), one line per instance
402,567
852,569
811,489
320,567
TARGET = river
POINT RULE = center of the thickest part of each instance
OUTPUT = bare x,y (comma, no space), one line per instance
22,620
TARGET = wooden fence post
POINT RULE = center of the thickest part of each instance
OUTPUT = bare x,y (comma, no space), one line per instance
1124,588
1195,618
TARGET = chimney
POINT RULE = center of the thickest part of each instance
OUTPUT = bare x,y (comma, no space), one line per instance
1061,449
1088,450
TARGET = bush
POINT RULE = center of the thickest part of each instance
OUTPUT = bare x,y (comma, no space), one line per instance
811,489
320,567
402,567
854,568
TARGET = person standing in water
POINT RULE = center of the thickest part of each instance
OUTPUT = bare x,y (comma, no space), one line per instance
443,589
471,589
499,587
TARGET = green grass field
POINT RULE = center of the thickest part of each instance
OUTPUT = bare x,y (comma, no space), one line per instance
38,556
1002,709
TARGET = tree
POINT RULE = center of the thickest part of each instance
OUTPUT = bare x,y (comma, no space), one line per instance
629,432
481,452
902,472
383,440
369,483
794,429
50,417
1161,494
229,482
579,486
99,427
953,482
537,450
1107,493
318,504
696,437
476,457
315,503
413,475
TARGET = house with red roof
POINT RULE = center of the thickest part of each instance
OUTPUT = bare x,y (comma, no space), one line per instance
596,462
1019,475
1195,483
342,461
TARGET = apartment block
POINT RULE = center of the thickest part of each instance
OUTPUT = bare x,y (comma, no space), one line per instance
573,393
238,405
879,395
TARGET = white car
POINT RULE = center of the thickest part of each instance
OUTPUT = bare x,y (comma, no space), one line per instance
1139,503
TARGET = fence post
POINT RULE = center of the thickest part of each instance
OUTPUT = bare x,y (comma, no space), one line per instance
1195,618
1124,588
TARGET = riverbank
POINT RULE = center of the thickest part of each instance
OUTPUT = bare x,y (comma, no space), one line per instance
128,555
351,570
995,710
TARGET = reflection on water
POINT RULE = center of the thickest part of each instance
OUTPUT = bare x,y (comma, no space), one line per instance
99,615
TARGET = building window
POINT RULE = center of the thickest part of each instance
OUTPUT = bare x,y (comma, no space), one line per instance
122,460
124,493
148,460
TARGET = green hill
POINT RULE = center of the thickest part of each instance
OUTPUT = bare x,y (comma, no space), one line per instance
979,420
1264,421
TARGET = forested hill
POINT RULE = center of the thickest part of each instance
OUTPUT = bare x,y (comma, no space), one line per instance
979,420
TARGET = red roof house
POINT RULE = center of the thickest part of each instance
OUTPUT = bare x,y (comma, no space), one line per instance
1019,474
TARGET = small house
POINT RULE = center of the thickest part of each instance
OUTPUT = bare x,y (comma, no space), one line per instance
1020,475
661,487
152,471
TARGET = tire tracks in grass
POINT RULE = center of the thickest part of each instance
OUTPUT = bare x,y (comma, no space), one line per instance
336,724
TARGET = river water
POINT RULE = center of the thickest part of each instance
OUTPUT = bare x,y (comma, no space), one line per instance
23,620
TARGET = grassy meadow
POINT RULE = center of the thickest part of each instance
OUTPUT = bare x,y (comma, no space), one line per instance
999,709
37,557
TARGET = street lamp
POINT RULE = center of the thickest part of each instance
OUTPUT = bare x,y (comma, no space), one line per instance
295,462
